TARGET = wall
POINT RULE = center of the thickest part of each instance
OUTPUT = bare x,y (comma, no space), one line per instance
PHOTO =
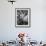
8,31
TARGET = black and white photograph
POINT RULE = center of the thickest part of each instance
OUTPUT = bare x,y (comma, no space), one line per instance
22,17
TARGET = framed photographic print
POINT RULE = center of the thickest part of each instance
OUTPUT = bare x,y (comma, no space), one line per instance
22,17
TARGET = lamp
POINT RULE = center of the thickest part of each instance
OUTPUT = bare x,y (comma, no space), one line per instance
12,1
